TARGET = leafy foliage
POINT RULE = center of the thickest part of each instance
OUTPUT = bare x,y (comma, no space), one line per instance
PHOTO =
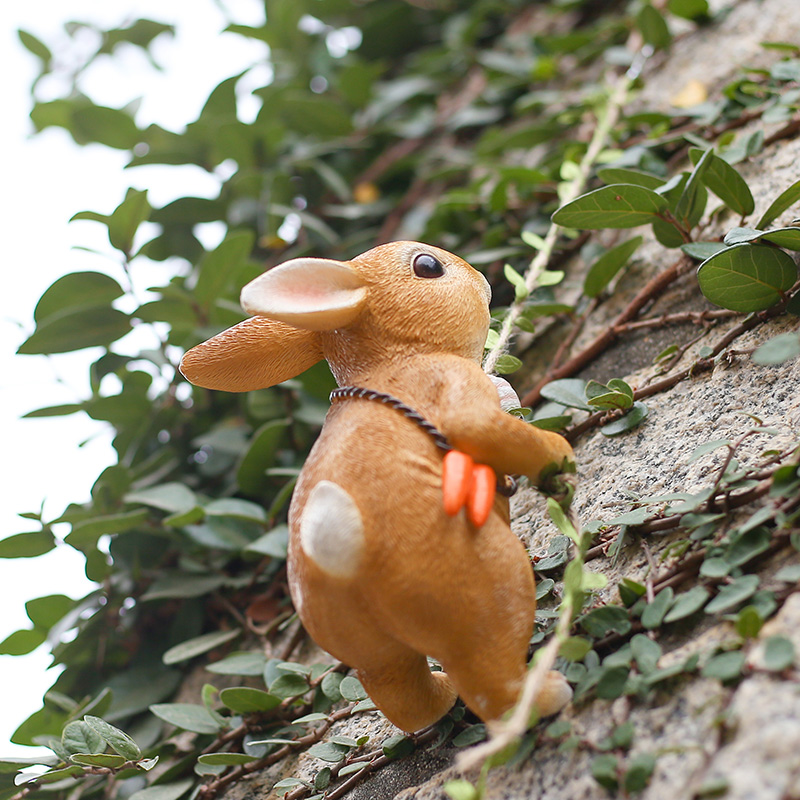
380,121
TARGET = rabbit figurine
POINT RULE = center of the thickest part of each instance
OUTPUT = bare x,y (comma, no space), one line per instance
380,573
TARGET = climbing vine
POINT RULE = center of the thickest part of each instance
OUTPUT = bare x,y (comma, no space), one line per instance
490,131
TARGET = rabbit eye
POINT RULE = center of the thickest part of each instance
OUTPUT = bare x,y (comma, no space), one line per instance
426,266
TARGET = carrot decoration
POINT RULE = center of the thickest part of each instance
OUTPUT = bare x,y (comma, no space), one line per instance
456,480
481,494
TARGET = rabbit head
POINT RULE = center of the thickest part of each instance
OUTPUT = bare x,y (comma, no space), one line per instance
394,299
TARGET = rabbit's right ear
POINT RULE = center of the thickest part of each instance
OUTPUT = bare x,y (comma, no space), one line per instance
254,354
316,294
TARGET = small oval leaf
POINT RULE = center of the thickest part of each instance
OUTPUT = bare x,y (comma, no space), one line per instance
616,206
200,644
747,278
246,700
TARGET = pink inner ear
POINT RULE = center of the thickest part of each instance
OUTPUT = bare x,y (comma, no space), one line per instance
310,293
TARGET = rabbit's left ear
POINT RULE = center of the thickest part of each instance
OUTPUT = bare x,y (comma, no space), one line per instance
254,354
314,294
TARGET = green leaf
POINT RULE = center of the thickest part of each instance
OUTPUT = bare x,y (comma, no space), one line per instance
22,642
747,277
506,364
225,759
54,411
784,200
110,760
399,746
78,737
733,594
351,689
604,620
604,771
330,686
570,392
274,543
237,509
469,736
701,251
27,545
164,791
646,652
626,423
690,9
517,281
289,783
182,585
186,716
779,653
260,455
91,530
35,46
245,700
118,740
126,218
611,175
654,613
172,497
56,775
640,770
789,574
653,27
328,751
198,645
725,182
109,126
724,666
611,401
460,789
687,604
616,206
239,664
693,197
708,447
77,291
602,272
218,267
750,544
748,622
574,648
289,685
76,330
788,238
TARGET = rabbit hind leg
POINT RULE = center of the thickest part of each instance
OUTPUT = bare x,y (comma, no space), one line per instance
407,692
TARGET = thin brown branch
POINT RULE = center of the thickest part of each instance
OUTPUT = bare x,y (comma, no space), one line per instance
788,130
652,290
693,317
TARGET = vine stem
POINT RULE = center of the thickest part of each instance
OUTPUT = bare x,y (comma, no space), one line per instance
606,121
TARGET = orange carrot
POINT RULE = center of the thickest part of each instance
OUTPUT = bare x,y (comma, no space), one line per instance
456,480
481,494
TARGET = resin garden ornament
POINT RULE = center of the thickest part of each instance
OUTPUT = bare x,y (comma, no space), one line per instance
400,547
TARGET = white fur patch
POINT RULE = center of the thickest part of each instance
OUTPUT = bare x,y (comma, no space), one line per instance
332,531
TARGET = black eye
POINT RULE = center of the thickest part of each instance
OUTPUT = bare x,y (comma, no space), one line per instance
426,266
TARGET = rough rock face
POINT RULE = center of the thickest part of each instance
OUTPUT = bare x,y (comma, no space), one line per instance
711,739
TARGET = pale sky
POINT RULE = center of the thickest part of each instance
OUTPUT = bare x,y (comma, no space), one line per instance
47,179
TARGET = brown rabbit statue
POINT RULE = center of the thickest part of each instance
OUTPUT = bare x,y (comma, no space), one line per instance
380,573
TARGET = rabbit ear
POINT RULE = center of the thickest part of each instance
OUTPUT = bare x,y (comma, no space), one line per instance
315,294
256,353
